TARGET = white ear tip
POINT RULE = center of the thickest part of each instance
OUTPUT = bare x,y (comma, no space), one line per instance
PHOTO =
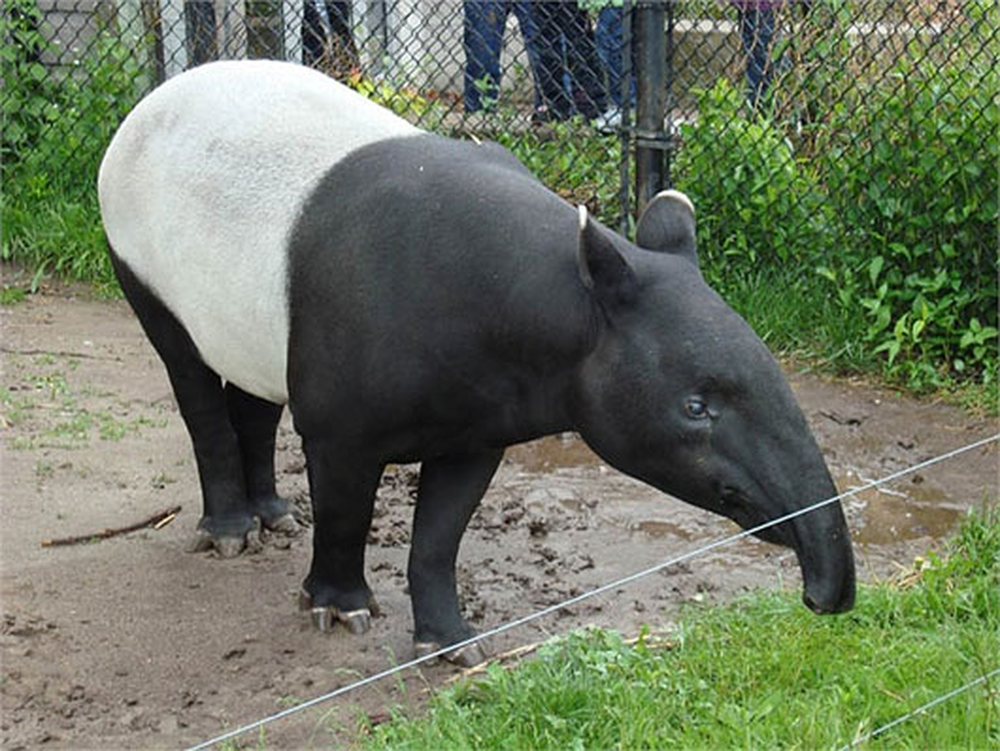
583,216
676,195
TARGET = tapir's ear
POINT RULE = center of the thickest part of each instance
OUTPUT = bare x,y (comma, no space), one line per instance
668,225
603,269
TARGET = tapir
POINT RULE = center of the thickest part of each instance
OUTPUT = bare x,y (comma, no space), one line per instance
414,298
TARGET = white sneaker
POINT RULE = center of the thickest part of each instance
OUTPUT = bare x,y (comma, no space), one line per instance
609,122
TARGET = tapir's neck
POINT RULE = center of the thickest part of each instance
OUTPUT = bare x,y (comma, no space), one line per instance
476,261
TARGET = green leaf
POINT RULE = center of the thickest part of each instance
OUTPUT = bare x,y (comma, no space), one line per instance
891,346
882,317
827,274
875,268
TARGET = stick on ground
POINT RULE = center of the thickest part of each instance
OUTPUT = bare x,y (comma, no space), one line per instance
157,520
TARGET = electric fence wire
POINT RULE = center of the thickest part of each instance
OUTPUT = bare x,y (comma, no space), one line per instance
920,710
516,623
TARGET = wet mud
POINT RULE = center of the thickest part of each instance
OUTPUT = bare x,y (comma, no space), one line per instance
131,642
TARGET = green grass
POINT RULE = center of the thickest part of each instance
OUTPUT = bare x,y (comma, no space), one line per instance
56,233
760,673
789,311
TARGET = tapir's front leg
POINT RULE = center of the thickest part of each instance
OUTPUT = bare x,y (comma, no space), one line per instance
342,485
450,490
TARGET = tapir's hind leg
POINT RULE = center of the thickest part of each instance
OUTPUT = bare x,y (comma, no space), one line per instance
256,422
342,488
227,520
450,490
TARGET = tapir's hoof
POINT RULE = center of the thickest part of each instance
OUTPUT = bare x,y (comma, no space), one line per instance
465,657
326,617
226,547
229,547
286,524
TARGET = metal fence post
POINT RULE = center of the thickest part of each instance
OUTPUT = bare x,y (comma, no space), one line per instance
651,74
625,133
669,128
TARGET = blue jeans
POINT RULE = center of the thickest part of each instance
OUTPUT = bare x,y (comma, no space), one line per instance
483,41
570,71
610,37
757,30
314,31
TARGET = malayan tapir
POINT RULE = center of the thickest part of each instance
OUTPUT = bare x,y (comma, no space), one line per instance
415,298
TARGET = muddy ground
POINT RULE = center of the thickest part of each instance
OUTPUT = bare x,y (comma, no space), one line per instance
131,642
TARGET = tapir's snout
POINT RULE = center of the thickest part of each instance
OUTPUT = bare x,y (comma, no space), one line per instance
829,575
823,545
820,537
821,541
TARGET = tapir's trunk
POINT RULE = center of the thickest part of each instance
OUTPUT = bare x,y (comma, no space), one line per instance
791,479
823,545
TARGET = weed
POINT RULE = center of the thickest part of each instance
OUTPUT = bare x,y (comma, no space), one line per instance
15,408
897,253
12,295
161,479
43,471
54,384
75,430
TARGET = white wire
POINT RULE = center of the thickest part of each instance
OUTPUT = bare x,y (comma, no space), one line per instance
588,594
919,710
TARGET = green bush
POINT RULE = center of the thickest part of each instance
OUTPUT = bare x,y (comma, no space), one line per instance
912,176
583,170
759,204
57,125
887,189
26,106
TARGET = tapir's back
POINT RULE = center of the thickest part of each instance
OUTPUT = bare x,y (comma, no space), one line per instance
200,188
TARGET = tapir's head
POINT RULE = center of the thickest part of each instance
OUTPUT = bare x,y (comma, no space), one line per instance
682,394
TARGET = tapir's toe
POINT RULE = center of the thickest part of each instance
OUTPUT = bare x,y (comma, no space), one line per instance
226,546
326,617
229,547
286,524
200,542
464,657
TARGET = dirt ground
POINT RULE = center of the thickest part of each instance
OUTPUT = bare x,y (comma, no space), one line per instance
131,642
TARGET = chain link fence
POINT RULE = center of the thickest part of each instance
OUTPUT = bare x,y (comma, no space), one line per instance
855,140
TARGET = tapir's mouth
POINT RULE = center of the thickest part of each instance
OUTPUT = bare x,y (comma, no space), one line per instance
738,507
827,567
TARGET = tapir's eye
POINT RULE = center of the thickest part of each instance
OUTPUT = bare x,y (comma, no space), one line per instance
696,408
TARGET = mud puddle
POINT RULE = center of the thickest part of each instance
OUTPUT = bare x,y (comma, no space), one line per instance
879,515
133,643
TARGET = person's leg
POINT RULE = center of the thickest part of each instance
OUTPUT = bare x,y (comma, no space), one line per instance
313,35
757,31
586,71
529,33
608,37
483,40
549,19
200,28
339,13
